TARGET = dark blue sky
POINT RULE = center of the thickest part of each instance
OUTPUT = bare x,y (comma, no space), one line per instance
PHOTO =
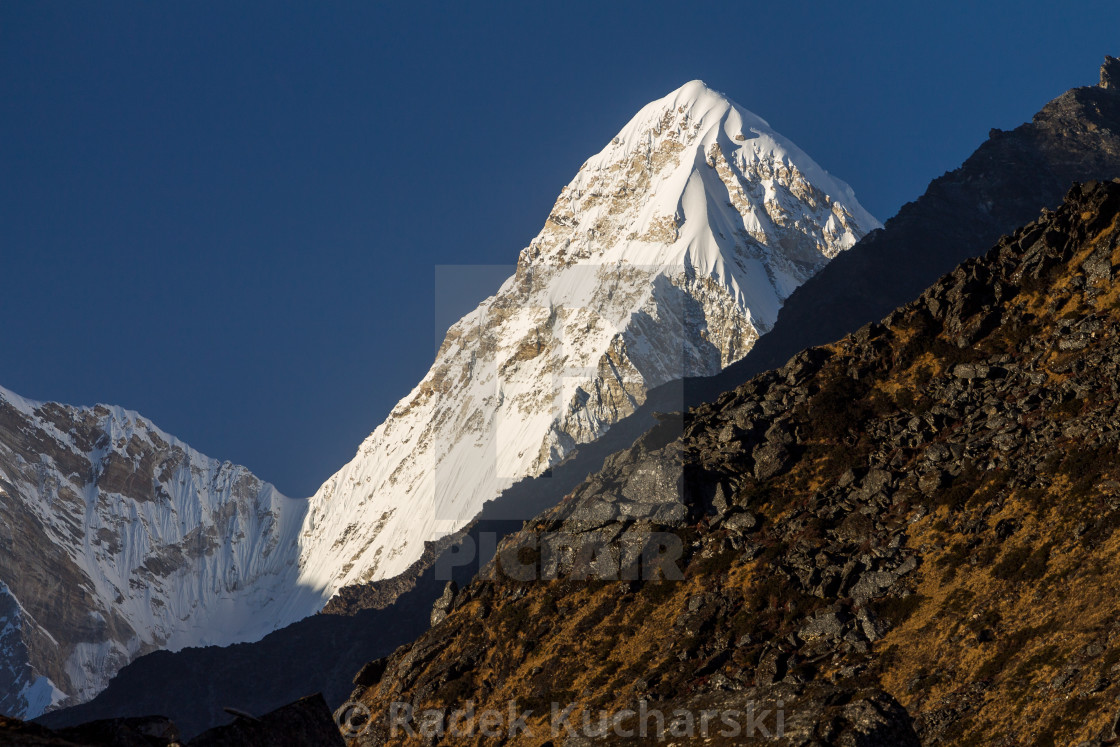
228,216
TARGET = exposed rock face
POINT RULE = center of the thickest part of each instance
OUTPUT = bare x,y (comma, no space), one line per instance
667,256
1110,73
115,539
933,560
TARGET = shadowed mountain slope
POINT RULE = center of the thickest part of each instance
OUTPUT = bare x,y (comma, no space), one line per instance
907,536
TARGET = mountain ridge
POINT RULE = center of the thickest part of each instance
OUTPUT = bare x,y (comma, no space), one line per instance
907,536
668,254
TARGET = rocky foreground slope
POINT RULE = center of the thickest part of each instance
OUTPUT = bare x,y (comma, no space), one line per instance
905,537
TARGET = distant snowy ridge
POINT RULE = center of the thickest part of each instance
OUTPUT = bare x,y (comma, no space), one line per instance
670,252
117,539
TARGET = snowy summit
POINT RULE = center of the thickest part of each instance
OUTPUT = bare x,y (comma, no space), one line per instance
667,256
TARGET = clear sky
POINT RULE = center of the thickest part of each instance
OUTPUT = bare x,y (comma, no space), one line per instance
229,216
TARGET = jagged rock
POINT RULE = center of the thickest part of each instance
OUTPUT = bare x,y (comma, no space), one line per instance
872,585
826,624
722,497
740,522
1110,73
593,514
442,606
971,371
770,459
370,674
872,626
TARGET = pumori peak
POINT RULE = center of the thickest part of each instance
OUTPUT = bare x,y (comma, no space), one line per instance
666,256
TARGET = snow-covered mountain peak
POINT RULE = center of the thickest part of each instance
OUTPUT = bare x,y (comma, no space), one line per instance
705,117
692,105
667,255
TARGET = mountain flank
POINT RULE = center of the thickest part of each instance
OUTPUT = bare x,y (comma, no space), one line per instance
908,536
668,254
116,539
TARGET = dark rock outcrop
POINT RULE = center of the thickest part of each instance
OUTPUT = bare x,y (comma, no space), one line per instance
308,722
1110,73
153,731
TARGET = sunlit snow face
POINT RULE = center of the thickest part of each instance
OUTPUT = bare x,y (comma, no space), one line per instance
667,256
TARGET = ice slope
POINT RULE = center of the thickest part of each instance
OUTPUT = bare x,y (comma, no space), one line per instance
116,539
667,255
